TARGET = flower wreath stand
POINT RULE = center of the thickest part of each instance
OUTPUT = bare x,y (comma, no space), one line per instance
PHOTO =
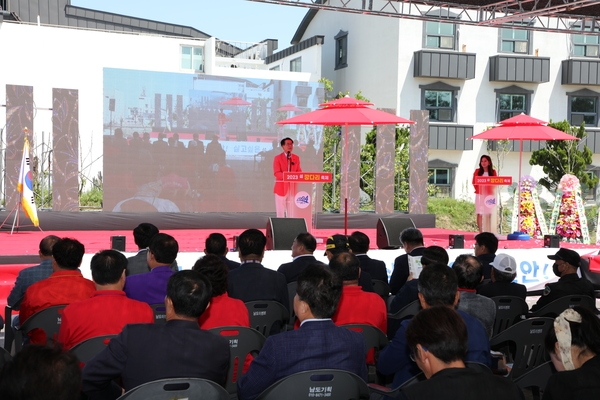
568,215
527,215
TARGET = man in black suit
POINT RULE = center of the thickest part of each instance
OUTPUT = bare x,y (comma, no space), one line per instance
412,243
486,245
252,281
138,264
217,244
317,343
359,246
146,352
303,248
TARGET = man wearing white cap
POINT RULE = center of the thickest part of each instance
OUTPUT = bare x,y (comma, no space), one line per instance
503,273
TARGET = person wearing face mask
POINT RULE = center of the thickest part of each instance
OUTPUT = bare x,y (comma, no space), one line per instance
566,263
574,344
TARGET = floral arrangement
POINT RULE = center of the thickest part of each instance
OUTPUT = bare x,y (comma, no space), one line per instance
568,223
529,222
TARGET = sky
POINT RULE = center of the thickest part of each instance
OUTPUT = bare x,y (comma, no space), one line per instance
232,20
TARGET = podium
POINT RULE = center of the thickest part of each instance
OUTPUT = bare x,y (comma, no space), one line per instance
304,193
489,185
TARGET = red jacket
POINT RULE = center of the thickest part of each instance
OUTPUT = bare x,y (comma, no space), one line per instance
280,165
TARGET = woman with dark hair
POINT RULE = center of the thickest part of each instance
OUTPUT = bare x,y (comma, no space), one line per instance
574,346
483,192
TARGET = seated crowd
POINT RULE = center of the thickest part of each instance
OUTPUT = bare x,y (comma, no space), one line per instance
453,328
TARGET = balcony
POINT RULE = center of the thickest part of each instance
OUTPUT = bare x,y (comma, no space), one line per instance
581,72
439,64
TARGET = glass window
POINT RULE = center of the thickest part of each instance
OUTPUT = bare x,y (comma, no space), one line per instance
514,41
341,52
510,105
275,68
296,65
439,176
584,109
439,35
439,104
191,58
586,45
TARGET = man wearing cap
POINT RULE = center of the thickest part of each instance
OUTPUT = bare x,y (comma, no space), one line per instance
504,272
566,263
339,244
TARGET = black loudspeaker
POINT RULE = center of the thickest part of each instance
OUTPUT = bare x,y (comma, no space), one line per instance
281,232
456,241
389,230
117,243
551,240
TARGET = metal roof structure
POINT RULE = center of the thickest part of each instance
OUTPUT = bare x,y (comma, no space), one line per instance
542,15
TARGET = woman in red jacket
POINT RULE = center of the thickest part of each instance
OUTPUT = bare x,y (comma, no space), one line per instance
484,213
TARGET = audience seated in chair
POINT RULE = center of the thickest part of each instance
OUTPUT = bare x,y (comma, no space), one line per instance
486,245
108,310
151,287
252,281
574,346
566,263
146,352
318,343
41,372
303,247
359,246
336,244
469,275
504,272
412,243
437,338
66,284
216,244
223,310
138,264
437,287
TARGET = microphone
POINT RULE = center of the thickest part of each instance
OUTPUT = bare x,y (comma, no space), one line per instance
289,154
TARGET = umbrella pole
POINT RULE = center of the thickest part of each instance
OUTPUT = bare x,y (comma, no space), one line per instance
346,163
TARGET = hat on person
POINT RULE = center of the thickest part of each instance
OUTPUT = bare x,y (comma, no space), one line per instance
567,255
337,244
505,263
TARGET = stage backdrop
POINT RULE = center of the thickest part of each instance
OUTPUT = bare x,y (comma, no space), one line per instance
177,142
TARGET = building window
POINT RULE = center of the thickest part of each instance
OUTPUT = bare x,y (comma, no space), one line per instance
275,68
512,101
586,45
191,58
440,35
514,41
439,104
441,175
341,50
296,65
584,109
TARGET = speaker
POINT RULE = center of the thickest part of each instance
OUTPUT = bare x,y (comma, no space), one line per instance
389,230
456,241
117,243
281,232
551,240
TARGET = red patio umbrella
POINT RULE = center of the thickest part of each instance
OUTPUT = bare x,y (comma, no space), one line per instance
289,107
346,111
235,101
523,127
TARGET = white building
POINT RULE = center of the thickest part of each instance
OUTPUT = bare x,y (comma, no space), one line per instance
469,77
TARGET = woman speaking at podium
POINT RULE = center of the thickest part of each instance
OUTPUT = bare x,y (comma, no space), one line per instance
482,192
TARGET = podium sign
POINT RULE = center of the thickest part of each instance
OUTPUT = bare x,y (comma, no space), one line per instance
493,180
308,177
304,192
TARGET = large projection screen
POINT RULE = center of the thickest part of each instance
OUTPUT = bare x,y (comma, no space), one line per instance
176,142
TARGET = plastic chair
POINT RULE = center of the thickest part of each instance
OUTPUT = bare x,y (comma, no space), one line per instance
177,388
242,341
86,350
527,340
381,288
509,310
292,286
4,357
536,379
395,319
160,313
375,339
333,384
393,392
267,316
48,320
553,309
